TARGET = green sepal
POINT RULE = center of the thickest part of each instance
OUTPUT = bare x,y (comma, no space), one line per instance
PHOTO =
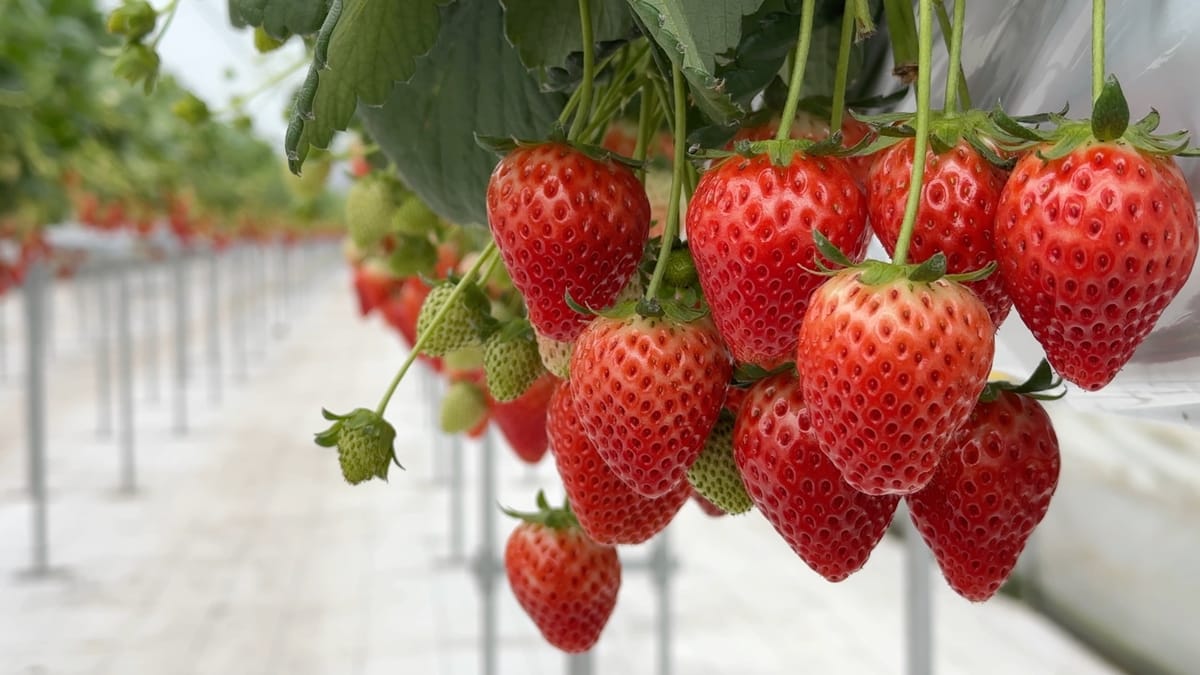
676,311
746,374
1041,381
557,519
328,438
975,275
931,270
1110,112
829,251
502,145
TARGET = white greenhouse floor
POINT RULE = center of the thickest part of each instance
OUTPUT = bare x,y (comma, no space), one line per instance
244,552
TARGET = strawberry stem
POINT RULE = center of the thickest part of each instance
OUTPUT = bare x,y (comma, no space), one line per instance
677,168
954,74
1097,48
843,67
488,253
799,59
921,140
170,10
589,65
645,110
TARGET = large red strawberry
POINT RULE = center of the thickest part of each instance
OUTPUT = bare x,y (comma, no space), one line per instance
607,509
829,524
649,391
890,368
523,419
750,226
956,215
564,581
990,491
1092,247
372,285
566,224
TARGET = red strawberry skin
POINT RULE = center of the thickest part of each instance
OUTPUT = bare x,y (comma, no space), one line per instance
523,419
749,227
829,524
372,287
607,509
566,223
889,372
564,581
956,216
710,509
989,493
648,391
1092,247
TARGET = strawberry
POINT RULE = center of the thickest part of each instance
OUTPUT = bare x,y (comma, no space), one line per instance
523,419
891,366
807,125
464,407
829,524
370,205
463,324
511,361
649,391
555,355
750,227
956,214
990,491
403,306
566,224
1092,247
714,475
372,284
607,509
364,444
564,581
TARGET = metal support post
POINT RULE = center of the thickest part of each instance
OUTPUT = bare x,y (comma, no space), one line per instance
125,432
81,309
104,407
35,287
283,292
918,601
237,314
580,664
486,569
662,565
214,332
48,313
432,393
150,339
457,496
180,292
3,339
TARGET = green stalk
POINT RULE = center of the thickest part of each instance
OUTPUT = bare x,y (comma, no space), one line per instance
677,168
589,66
862,17
799,58
489,252
921,141
902,30
954,74
843,67
171,10
1097,48
645,109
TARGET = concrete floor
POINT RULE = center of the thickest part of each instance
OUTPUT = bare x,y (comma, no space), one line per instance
243,551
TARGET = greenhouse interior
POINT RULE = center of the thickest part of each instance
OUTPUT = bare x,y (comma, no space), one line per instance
599,337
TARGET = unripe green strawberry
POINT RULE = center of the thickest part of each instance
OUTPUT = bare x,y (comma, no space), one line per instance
715,475
462,325
263,42
370,205
681,271
364,444
511,361
133,20
413,256
463,407
415,218
465,360
556,356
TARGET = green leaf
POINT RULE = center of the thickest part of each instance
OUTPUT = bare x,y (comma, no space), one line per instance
546,32
373,46
692,33
280,18
471,82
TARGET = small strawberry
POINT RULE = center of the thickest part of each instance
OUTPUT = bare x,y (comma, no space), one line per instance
750,231
364,444
714,474
564,581
511,361
566,224
891,365
373,283
649,391
555,355
829,524
607,509
413,217
370,204
464,407
464,323
989,493
523,419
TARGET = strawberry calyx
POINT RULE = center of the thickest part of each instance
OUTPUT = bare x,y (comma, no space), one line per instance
746,374
502,145
946,130
878,272
1038,386
554,518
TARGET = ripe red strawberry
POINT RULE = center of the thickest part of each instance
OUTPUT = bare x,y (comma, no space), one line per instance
956,215
566,223
889,371
607,509
1092,247
564,581
649,391
990,491
372,284
814,128
829,524
750,227
710,509
523,420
